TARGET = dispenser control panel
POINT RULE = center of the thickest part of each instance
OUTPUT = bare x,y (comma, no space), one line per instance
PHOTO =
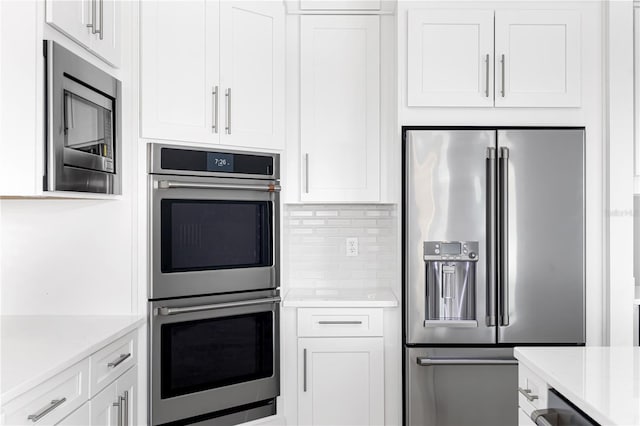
462,251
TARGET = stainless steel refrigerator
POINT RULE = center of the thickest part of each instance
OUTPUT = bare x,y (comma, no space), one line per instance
494,257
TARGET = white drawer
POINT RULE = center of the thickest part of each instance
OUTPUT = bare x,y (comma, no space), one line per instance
339,322
111,361
80,417
533,386
52,400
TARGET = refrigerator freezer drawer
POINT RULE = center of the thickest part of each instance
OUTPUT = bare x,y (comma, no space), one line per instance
461,387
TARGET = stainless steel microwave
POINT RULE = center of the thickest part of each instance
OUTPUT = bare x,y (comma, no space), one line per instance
83,125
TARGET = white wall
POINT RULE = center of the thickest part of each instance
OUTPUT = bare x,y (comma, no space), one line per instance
73,256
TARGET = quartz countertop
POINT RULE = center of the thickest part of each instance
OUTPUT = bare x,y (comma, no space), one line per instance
604,382
340,297
36,348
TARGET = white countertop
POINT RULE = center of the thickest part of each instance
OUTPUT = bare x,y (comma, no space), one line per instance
340,297
35,348
604,382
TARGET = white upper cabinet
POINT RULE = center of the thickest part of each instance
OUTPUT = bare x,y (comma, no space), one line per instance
340,108
450,60
527,58
252,73
538,55
95,24
179,70
213,72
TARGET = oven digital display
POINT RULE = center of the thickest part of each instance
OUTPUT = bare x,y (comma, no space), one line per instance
450,248
219,162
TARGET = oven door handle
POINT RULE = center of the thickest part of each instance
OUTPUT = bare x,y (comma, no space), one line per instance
167,184
165,311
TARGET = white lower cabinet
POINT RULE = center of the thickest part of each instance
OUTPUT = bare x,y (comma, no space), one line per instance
340,366
524,419
341,381
116,404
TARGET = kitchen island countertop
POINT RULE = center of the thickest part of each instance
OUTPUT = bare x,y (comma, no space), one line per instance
604,382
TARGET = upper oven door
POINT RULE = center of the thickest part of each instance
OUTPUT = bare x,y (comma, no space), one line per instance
212,236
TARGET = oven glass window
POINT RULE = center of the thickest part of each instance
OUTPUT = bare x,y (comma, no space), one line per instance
206,354
88,126
204,235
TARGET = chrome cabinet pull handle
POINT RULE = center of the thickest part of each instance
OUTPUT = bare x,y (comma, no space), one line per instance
486,77
228,110
304,370
164,311
465,361
504,236
125,408
306,173
92,24
503,75
46,410
119,415
527,394
339,322
119,361
492,277
215,109
101,18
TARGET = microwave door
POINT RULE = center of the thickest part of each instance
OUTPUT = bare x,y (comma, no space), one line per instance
88,129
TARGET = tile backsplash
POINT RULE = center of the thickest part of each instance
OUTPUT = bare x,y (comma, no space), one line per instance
315,245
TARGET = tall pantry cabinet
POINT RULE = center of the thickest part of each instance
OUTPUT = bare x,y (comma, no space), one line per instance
213,72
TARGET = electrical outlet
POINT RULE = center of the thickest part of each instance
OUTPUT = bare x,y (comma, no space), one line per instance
352,246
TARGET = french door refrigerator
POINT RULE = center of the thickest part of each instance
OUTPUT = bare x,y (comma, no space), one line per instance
494,257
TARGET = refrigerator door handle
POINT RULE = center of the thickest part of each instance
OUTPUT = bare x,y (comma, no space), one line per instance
504,236
492,219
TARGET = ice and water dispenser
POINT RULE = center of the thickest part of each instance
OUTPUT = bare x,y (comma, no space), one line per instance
450,283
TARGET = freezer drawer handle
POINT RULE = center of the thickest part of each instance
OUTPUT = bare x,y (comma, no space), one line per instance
164,311
466,361
340,322
527,394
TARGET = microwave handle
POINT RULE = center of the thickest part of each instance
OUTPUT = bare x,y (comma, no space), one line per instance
164,311
167,184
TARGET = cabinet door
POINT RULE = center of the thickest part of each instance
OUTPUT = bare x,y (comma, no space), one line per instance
252,73
106,43
537,58
179,44
450,58
340,381
71,17
340,108
104,411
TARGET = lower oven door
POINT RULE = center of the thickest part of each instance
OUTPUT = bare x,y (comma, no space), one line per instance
209,354
461,387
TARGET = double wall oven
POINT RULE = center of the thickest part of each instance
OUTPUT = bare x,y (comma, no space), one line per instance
214,277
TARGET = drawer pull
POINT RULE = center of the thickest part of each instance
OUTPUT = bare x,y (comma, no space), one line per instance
46,410
118,361
339,322
527,394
